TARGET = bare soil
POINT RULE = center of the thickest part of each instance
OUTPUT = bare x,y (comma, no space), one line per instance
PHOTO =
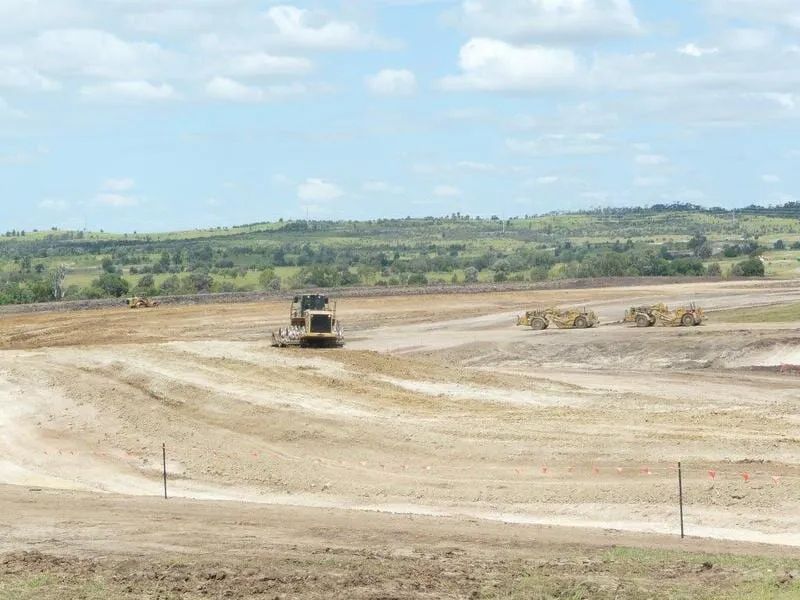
443,452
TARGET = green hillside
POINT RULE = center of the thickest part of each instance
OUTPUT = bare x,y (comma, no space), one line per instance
658,241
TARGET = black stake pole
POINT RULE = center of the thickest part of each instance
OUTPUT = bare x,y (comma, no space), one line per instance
680,495
164,457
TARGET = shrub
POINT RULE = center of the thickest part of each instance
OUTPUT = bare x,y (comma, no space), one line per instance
470,275
752,267
111,284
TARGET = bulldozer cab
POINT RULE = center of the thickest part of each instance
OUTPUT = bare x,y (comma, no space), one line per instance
311,302
307,302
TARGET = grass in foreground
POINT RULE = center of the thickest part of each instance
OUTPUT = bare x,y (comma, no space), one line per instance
567,573
784,313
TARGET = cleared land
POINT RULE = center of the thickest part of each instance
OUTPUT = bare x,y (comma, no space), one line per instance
442,453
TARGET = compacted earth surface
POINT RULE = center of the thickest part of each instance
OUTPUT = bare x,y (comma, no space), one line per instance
444,452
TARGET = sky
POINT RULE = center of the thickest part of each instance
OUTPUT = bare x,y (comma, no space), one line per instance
153,115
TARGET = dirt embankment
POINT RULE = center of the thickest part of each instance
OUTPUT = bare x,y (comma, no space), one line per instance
440,428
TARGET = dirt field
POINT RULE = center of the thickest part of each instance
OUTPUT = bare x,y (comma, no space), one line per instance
442,453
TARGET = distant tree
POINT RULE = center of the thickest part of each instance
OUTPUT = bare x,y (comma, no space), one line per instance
752,267
714,270
170,286
57,282
780,245
539,274
698,240
417,279
704,251
108,265
111,284
470,275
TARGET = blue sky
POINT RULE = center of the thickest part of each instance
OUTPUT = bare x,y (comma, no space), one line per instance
161,114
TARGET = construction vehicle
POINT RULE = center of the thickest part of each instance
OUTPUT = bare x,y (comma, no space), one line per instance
312,322
140,302
660,314
571,318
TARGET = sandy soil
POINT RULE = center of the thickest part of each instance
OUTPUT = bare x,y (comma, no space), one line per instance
437,409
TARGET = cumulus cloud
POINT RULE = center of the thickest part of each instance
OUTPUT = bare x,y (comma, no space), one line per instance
95,53
651,160
318,190
136,91
225,88
303,28
25,78
494,65
261,63
124,184
116,193
562,144
9,112
781,12
537,19
392,82
692,49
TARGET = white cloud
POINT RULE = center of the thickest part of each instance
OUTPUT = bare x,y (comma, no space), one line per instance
261,63
96,53
771,179
392,82
381,187
536,19
22,77
495,65
302,28
136,91
171,20
124,184
318,190
8,111
224,88
547,180
20,16
781,12
692,49
562,144
651,160
446,191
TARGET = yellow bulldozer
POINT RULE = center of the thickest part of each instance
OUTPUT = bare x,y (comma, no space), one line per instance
140,302
570,318
660,314
312,322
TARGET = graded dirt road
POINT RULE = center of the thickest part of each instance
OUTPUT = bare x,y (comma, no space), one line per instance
440,420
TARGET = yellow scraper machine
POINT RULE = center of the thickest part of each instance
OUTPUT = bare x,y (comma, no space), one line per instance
312,323
571,318
659,314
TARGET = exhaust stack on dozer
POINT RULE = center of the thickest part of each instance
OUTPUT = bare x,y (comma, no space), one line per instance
312,323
